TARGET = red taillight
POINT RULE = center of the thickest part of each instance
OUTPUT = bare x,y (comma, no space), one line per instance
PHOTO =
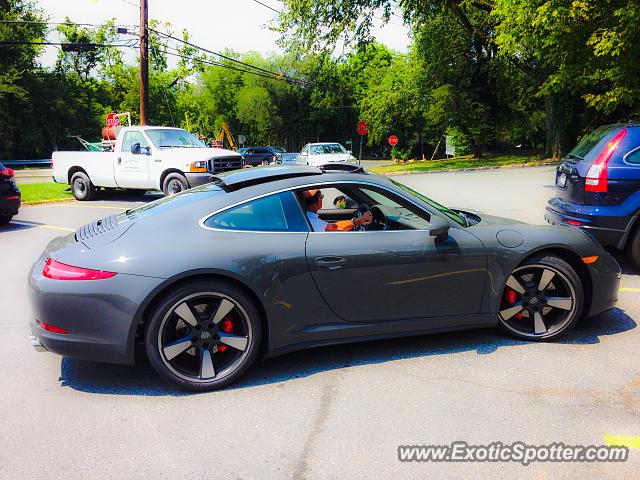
597,175
60,271
8,172
574,222
53,328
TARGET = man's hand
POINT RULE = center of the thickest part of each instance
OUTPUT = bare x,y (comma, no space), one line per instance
365,219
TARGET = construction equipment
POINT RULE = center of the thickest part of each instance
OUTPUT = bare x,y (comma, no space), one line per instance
219,140
109,133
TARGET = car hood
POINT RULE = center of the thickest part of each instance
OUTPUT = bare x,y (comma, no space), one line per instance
194,154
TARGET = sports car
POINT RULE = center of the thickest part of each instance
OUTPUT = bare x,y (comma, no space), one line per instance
247,267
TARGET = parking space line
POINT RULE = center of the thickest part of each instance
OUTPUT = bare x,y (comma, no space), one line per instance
629,289
43,225
629,441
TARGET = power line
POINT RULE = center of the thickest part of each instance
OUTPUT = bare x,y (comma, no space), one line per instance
267,6
97,45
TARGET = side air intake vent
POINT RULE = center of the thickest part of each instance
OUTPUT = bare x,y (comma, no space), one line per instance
96,228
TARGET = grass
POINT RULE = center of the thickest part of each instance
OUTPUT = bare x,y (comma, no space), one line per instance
44,192
458,163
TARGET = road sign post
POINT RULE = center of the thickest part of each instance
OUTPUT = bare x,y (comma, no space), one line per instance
362,128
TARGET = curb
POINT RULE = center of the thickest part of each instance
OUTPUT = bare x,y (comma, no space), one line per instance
470,169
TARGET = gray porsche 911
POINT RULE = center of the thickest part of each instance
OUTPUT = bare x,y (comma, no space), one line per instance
269,260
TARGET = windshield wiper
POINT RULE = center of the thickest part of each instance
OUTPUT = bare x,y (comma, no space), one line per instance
574,156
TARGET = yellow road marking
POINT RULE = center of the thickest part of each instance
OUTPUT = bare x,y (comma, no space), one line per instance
44,225
629,289
629,441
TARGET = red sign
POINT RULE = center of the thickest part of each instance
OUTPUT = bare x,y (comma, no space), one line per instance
393,140
362,127
113,120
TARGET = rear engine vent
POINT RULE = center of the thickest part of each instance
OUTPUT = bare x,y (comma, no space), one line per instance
225,164
96,228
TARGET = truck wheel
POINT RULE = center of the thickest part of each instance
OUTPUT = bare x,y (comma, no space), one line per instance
174,183
82,187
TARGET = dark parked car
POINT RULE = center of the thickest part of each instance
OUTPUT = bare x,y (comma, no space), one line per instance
9,195
257,156
598,188
211,278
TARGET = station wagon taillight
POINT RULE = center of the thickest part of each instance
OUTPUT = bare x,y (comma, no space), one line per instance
61,271
7,172
597,175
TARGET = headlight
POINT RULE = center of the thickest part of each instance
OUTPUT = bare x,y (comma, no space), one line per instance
198,167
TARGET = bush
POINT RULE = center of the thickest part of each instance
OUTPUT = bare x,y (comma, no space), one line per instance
460,141
400,154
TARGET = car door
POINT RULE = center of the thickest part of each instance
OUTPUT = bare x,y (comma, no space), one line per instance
131,170
398,274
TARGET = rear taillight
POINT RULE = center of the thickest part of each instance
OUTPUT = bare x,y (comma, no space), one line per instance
60,271
7,172
597,175
52,328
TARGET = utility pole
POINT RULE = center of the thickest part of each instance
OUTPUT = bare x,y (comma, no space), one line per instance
144,61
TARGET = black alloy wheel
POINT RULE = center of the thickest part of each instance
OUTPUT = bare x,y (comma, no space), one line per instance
542,299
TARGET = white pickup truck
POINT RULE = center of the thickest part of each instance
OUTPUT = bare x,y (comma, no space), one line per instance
144,158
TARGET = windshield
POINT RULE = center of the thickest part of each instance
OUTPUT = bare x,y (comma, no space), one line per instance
327,149
278,150
459,219
170,138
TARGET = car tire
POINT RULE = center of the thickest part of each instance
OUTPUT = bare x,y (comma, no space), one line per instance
169,327
4,219
174,183
632,248
82,187
529,312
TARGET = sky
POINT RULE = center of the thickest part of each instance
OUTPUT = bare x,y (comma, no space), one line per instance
213,24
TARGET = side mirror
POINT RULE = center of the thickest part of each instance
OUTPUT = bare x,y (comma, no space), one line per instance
135,149
439,227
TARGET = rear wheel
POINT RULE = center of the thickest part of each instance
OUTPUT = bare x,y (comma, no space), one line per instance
542,299
174,183
633,248
82,187
203,335
4,219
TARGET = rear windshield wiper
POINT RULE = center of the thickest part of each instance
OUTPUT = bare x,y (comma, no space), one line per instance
574,156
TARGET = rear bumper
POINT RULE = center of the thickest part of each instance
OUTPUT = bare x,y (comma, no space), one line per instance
100,316
10,204
605,223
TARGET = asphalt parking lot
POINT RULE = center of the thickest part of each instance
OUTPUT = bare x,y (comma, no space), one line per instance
334,412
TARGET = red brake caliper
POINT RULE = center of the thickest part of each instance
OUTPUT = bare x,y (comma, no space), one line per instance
512,297
227,327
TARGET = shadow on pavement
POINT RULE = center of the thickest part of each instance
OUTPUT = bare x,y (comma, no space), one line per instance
142,379
13,226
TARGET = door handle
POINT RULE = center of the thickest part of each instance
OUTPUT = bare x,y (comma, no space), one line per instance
119,160
331,263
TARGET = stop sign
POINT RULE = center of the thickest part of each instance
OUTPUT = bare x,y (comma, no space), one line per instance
393,140
113,120
362,127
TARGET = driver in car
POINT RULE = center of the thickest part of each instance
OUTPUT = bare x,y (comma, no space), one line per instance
313,203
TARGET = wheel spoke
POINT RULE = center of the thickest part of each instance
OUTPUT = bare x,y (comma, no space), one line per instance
174,349
560,302
514,284
185,313
538,323
236,341
545,279
223,309
507,313
206,364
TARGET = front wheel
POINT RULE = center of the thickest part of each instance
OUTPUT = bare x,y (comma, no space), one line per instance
542,299
203,335
82,187
174,183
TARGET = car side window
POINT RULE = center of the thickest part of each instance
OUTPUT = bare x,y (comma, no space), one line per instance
274,213
401,214
633,157
133,137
